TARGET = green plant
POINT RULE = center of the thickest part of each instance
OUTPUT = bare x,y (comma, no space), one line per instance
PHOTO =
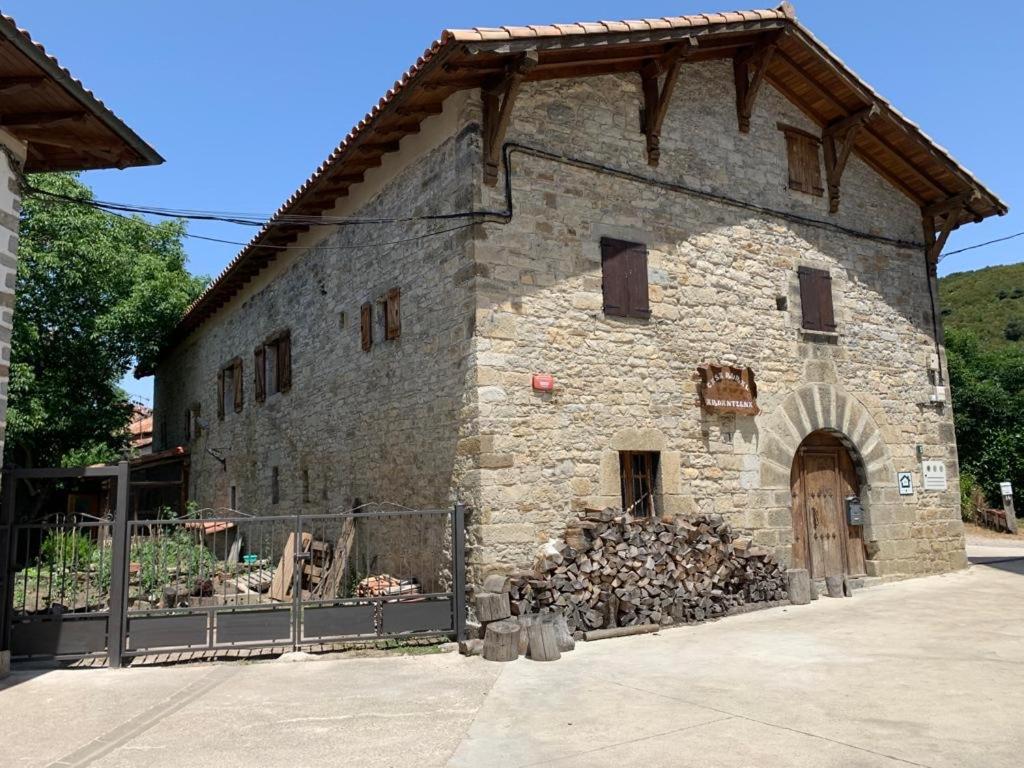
171,557
64,550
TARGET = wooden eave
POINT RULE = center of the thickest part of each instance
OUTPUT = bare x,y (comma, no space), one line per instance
64,125
803,70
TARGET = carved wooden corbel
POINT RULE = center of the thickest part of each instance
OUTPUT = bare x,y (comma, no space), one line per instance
657,95
498,98
941,218
749,68
837,139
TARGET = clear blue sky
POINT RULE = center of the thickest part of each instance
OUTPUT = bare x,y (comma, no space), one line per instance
245,99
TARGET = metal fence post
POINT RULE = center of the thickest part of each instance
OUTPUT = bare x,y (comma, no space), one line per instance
459,568
119,565
7,554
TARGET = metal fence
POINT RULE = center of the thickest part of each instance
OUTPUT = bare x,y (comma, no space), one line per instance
77,587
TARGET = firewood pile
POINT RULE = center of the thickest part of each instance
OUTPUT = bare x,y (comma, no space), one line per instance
384,584
613,570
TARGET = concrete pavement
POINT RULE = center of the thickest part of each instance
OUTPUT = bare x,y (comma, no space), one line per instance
928,672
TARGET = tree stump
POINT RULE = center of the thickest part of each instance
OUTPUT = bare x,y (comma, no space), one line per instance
798,584
501,641
562,634
543,642
834,585
496,582
492,606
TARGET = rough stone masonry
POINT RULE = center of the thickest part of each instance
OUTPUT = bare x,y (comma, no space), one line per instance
447,411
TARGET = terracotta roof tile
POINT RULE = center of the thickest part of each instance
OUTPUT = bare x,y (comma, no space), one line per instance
483,34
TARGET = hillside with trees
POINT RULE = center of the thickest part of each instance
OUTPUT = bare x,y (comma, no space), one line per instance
987,302
983,314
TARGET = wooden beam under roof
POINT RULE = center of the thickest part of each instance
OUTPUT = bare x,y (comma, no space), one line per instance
10,85
657,94
498,98
749,68
39,119
837,141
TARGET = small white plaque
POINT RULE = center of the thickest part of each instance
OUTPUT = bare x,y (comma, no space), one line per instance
1006,489
933,475
905,482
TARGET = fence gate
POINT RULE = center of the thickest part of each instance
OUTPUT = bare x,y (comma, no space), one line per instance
122,588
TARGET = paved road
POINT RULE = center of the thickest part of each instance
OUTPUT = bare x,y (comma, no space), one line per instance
928,672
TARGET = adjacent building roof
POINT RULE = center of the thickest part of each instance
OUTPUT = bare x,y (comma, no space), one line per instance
803,69
66,127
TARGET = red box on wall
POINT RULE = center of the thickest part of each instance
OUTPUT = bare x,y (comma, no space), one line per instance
543,382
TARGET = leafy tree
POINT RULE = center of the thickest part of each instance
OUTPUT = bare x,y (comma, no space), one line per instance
96,294
988,407
1014,329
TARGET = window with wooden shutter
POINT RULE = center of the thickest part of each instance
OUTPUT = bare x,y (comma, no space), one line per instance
259,374
816,300
366,325
239,385
804,160
392,314
624,278
284,361
220,394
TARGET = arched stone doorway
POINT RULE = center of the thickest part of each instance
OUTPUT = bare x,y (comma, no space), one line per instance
824,474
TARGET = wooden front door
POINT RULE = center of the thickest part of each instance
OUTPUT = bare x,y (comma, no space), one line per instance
823,476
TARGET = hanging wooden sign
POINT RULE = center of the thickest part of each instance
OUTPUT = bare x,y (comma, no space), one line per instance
727,389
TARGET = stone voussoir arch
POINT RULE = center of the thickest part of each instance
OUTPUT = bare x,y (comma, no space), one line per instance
814,407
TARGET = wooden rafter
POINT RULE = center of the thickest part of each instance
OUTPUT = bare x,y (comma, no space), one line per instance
657,95
39,119
941,218
9,85
749,67
498,99
837,140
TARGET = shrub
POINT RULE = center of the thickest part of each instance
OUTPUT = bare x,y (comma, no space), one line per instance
65,550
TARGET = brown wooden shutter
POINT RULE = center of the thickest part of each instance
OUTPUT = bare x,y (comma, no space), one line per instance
816,299
614,276
636,284
239,388
804,161
220,395
393,314
259,364
366,325
284,362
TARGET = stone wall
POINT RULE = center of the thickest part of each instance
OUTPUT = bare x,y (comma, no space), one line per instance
717,273
11,158
368,427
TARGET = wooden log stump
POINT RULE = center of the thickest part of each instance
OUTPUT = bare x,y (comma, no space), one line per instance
562,634
501,641
543,642
525,621
492,606
798,584
497,582
834,585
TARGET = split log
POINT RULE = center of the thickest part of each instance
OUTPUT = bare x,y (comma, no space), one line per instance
562,634
798,584
543,642
492,606
501,641
496,582
834,585
471,647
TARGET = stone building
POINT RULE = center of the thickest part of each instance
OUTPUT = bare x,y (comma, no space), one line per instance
678,265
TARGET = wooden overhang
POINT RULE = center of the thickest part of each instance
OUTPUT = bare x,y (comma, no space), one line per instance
765,45
64,125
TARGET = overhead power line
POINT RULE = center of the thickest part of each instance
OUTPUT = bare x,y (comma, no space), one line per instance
981,245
